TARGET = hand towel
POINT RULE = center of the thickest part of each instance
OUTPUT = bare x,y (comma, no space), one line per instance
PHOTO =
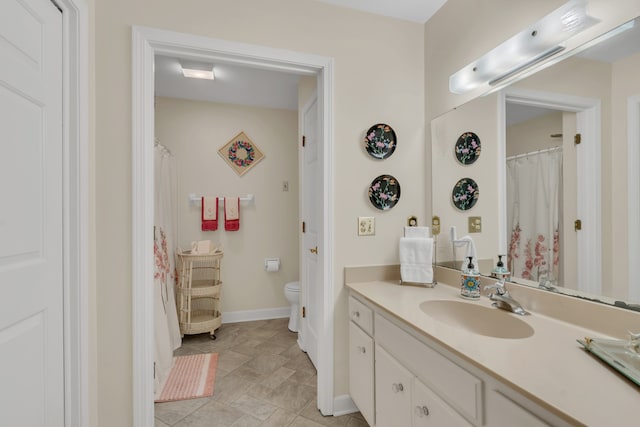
231,213
209,213
416,259
416,231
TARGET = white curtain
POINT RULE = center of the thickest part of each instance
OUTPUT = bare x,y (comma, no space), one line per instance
167,331
534,185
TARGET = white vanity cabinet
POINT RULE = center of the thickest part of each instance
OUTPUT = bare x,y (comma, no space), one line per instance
435,385
394,385
504,412
403,400
361,358
398,378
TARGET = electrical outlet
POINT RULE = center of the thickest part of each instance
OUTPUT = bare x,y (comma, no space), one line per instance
475,224
366,226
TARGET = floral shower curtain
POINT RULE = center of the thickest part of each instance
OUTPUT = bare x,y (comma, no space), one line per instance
167,336
534,185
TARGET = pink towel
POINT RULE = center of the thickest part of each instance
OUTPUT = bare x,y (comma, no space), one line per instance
231,213
209,213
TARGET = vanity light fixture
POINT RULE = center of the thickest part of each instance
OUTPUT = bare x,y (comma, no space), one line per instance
541,40
197,70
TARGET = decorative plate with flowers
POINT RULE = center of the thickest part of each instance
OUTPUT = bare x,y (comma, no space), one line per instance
384,192
380,141
467,148
465,194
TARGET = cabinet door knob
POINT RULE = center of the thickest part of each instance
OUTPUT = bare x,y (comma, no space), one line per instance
356,314
397,387
422,411
361,349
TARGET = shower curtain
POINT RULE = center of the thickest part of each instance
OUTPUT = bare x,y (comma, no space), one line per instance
167,330
534,211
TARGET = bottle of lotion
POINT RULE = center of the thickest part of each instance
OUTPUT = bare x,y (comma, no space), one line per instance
470,286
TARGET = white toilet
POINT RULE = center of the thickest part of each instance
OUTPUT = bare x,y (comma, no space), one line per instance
292,293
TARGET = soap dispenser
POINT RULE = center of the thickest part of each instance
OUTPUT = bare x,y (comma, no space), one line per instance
470,286
501,272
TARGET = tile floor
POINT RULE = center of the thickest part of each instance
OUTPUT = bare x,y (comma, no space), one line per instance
263,379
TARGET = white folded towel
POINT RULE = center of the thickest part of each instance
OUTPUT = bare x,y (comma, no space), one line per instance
416,259
471,252
416,231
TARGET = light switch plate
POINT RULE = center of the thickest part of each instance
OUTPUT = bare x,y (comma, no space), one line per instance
366,226
475,224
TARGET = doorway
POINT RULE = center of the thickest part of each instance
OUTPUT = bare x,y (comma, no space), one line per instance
588,183
147,43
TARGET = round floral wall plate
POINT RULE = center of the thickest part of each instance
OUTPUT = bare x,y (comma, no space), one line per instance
384,192
465,194
468,148
380,141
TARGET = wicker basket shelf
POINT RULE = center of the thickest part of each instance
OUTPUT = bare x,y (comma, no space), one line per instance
199,288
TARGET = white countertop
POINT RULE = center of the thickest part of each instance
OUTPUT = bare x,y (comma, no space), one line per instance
549,367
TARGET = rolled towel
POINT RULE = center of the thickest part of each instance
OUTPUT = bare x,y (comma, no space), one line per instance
416,259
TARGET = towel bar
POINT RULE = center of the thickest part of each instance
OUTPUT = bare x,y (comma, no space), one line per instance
195,200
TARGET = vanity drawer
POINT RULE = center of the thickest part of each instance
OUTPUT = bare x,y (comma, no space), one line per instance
361,315
454,384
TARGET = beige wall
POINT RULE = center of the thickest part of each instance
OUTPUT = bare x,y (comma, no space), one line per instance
194,132
379,77
625,83
534,134
479,117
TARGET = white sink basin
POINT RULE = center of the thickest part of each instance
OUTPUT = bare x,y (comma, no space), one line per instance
478,319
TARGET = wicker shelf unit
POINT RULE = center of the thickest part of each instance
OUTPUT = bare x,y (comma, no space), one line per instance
199,288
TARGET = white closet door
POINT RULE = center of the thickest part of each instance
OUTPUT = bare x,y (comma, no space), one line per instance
31,240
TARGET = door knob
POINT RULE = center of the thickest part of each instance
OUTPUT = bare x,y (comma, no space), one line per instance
314,250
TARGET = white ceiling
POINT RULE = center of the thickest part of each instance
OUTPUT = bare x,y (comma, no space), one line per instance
260,88
233,85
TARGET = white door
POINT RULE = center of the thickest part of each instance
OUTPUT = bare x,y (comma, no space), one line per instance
311,283
31,240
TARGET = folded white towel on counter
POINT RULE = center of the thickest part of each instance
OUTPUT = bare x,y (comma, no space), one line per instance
416,231
416,259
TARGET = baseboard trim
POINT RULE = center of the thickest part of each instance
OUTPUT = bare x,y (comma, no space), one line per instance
249,315
343,405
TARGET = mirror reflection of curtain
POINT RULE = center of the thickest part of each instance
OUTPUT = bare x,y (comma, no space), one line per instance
166,328
534,185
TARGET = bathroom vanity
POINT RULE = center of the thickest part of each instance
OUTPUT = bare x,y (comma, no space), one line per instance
421,357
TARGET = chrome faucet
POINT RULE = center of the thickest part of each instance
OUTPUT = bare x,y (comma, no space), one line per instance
503,299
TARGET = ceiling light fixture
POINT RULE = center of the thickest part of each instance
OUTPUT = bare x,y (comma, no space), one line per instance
197,70
536,43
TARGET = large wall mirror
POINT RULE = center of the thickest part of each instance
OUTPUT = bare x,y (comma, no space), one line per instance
563,210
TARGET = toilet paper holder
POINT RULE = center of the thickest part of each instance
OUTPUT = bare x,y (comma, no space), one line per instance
271,264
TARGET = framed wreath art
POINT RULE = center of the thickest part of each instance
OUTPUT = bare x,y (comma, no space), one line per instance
241,153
